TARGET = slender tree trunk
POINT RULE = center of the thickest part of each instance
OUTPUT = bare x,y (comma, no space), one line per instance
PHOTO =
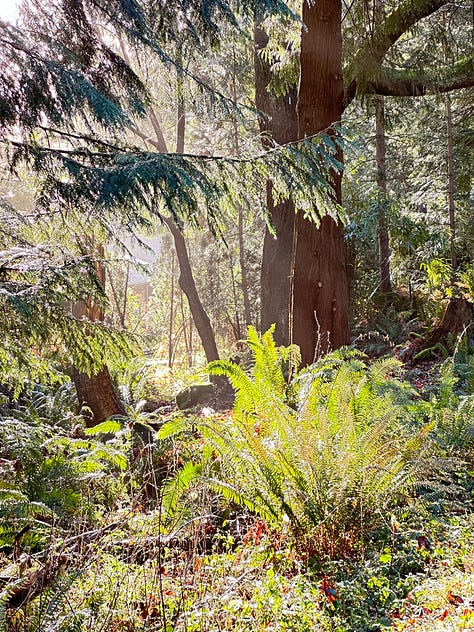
120,302
320,297
187,284
186,278
277,116
181,112
186,333
384,249
451,183
171,323
243,268
191,349
236,328
240,218
97,391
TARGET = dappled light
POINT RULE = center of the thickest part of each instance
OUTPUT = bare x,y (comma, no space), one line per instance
236,316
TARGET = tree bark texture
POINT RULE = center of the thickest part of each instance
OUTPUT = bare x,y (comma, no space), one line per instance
99,394
277,117
457,317
96,391
320,296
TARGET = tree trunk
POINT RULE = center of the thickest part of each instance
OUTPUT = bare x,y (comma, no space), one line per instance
457,316
181,112
243,269
172,310
384,249
451,182
277,116
240,217
320,297
236,327
97,391
187,284
186,279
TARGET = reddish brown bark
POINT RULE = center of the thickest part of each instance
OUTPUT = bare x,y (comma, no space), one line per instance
451,183
96,391
457,316
277,117
320,296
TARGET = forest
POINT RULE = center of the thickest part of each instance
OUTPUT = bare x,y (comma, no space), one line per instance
236,315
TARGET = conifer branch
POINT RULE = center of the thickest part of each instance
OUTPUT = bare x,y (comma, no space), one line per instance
366,70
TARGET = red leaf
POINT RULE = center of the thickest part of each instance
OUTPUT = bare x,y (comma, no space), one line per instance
455,599
443,615
328,589
423,542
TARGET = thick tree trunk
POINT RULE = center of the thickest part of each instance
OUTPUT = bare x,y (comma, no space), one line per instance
457,316
320,288
384,249
97,391
276,269
320,297
277,117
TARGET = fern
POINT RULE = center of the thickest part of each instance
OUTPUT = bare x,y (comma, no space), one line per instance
174,490
110,425
331,464
47,475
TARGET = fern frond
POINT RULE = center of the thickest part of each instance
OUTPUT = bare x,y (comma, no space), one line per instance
173,427
107,426
175,488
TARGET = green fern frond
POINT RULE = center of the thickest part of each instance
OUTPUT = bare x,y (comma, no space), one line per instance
109,426
175,488
231,493
173,427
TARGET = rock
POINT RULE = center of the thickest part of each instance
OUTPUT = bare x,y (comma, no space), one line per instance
195,395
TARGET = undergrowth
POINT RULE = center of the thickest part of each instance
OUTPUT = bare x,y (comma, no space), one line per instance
332,499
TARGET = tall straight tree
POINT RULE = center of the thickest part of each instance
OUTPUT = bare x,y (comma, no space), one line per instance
318,295
380,153
320,288
383,236
277,116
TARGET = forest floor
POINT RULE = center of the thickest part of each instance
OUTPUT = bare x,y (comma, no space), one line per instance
123,565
